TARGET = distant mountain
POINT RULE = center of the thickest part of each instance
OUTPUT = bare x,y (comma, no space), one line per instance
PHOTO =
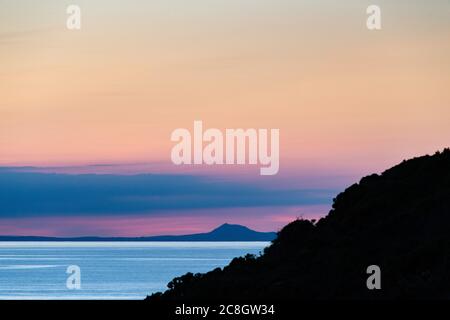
226,232
398,221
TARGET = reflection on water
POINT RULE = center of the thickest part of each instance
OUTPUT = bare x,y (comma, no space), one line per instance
109,270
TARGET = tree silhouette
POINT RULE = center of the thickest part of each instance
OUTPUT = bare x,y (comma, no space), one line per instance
399,221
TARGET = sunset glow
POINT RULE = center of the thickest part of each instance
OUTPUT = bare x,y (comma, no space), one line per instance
105,100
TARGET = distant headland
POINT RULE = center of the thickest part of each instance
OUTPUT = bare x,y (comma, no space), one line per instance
225,232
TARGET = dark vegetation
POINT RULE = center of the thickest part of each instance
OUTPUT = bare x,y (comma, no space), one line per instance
399,220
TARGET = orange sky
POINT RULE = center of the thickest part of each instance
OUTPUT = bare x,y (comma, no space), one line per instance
341,95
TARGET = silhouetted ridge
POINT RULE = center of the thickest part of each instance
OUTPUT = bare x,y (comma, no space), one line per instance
399,220
225,232
235,228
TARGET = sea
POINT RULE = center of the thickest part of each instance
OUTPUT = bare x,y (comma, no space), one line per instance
106,270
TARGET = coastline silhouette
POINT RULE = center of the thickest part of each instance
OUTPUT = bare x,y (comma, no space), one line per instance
224,232
399,221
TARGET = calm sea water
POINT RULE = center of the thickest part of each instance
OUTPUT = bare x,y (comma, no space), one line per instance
109,270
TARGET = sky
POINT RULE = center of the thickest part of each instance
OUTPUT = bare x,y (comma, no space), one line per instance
104,100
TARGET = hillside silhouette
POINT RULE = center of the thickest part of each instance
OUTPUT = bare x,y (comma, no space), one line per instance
399,220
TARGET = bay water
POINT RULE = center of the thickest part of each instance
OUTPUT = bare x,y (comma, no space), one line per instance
108,270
